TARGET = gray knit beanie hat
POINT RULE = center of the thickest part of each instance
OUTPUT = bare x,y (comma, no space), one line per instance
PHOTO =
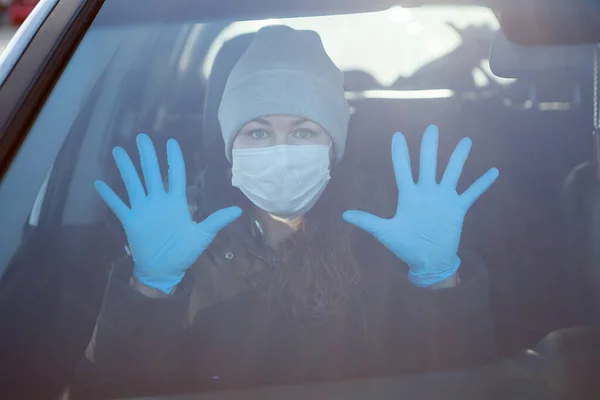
285,72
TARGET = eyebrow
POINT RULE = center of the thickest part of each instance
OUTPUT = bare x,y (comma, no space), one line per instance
263,121
299,121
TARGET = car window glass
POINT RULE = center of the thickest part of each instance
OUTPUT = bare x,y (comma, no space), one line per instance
416,36
65,104
97,308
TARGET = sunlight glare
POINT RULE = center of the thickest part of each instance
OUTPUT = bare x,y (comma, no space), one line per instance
414,28
400,14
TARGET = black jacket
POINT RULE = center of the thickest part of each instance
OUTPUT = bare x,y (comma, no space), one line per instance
219,330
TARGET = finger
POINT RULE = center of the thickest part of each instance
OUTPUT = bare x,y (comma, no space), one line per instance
176,167
112,200
150,166
219,220
365,221
401,161
457,161
130,177
479,187
429,149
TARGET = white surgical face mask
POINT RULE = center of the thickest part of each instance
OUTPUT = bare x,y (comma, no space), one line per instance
284,180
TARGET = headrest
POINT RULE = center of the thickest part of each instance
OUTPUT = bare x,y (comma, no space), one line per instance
357,80
227,57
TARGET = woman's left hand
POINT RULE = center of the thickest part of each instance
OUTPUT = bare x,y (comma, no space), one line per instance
425,232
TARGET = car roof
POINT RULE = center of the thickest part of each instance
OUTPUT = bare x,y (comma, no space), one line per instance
531,22
127,11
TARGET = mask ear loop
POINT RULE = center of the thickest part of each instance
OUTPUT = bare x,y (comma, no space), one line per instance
596,114
331,155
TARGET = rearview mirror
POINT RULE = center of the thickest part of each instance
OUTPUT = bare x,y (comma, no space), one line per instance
551,22
512,60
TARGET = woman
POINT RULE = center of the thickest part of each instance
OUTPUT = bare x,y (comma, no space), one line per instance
287,285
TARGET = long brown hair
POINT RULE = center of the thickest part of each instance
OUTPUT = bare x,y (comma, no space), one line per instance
319,272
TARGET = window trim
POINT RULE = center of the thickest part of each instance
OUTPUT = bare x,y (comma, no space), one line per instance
23,36
32,78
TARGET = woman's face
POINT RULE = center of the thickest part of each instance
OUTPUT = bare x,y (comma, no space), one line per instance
263,175
276,130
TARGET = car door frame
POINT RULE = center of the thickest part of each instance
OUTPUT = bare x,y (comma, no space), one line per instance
54,30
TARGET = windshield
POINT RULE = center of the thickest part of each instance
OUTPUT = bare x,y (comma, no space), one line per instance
216,205
406,39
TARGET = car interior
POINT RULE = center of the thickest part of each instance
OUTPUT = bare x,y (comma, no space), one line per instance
537,228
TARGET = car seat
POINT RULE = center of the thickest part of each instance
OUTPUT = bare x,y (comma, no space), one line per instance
581,208
213,144
535,147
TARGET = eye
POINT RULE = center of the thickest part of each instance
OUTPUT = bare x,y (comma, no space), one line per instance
258,134
304,134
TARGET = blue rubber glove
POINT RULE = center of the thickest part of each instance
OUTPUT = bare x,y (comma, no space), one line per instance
163,239
425,232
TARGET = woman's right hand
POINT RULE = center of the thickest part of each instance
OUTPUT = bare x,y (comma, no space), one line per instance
163,239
